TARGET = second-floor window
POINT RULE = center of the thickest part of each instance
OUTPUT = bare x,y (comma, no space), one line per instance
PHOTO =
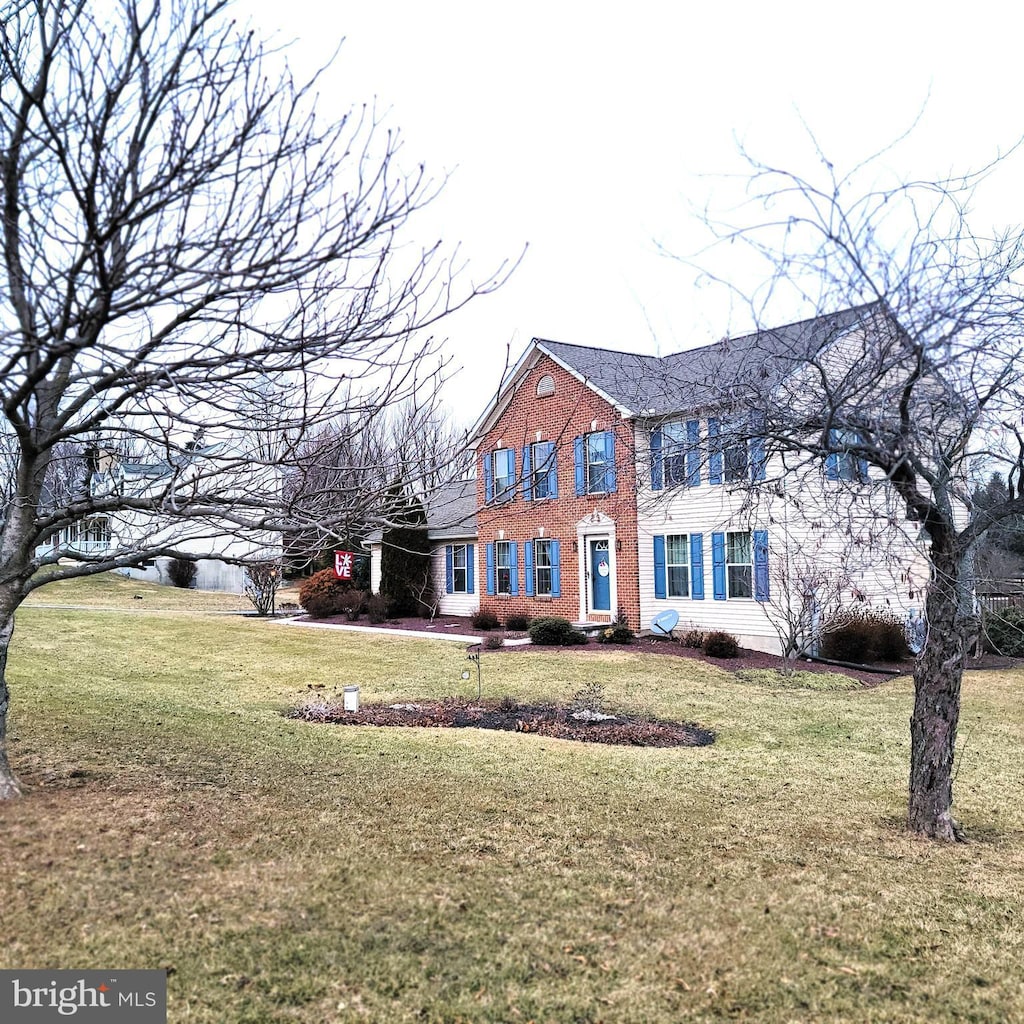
594,456
500,474
540,471
843,464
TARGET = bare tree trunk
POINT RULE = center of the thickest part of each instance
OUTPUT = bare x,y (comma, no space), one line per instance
937,679
9,787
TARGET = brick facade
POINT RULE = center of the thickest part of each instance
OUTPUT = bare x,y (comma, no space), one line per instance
573,410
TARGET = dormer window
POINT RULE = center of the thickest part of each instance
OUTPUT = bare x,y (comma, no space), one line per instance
546,386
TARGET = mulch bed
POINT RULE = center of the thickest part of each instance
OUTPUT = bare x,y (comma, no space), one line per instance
644,645
547,720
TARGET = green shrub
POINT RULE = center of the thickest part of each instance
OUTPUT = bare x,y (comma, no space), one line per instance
864,636
323,594
555,632
484,620
1004,632
517,623
182,572
720,645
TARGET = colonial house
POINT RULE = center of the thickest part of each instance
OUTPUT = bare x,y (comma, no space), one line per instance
218,547
610,483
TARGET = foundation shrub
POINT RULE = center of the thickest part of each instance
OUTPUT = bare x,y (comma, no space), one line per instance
323,594
484,620
517,623
1004,632
555,632
720,645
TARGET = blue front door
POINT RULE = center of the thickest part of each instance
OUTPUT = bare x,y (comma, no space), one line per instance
600,576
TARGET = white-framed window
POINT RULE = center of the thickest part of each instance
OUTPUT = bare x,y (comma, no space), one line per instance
739,565
674,446
504,566
543,567
843,464
544,483
677,565
460,569
504,462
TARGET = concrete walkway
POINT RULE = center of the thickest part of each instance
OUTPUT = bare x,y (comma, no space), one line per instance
419,634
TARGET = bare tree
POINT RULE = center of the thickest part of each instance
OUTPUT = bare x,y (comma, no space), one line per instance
918,380
347,469
179,227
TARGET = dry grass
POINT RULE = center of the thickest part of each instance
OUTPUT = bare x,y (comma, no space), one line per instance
291,872
111,590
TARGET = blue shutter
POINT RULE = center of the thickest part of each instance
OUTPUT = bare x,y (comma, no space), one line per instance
718,564
714,453
527,474
657,461
449,575
528,567
609,469
693,453
761,588
697,566
552,471
758,452
514,568
556,570
581,469
490,568
832,459
660,574
488,477
470,570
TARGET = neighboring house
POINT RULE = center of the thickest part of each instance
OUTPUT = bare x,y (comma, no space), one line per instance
611,483
127,530
451,529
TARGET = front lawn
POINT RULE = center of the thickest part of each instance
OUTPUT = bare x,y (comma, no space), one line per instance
283,871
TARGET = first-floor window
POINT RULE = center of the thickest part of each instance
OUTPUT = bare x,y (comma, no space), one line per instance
677,565
97,530
739,565
542,555
503,566
459,568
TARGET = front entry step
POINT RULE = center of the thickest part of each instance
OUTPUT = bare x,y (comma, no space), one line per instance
591,628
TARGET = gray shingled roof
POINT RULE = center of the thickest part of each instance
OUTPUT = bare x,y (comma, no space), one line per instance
652,385
451,512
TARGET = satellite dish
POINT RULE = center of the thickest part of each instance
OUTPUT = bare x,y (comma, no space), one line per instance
664,622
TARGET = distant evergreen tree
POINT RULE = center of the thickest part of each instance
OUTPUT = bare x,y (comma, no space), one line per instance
405,554
1001,549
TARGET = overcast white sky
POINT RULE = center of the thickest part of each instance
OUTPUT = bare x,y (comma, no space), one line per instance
588,131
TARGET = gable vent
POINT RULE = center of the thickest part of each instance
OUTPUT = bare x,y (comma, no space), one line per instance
546,386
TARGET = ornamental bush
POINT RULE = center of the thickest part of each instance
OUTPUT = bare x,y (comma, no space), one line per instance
864,636
484,620
323,594
555,632
720,645
619,633
517,623
182,572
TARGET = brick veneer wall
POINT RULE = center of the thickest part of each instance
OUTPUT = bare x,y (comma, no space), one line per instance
574,409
